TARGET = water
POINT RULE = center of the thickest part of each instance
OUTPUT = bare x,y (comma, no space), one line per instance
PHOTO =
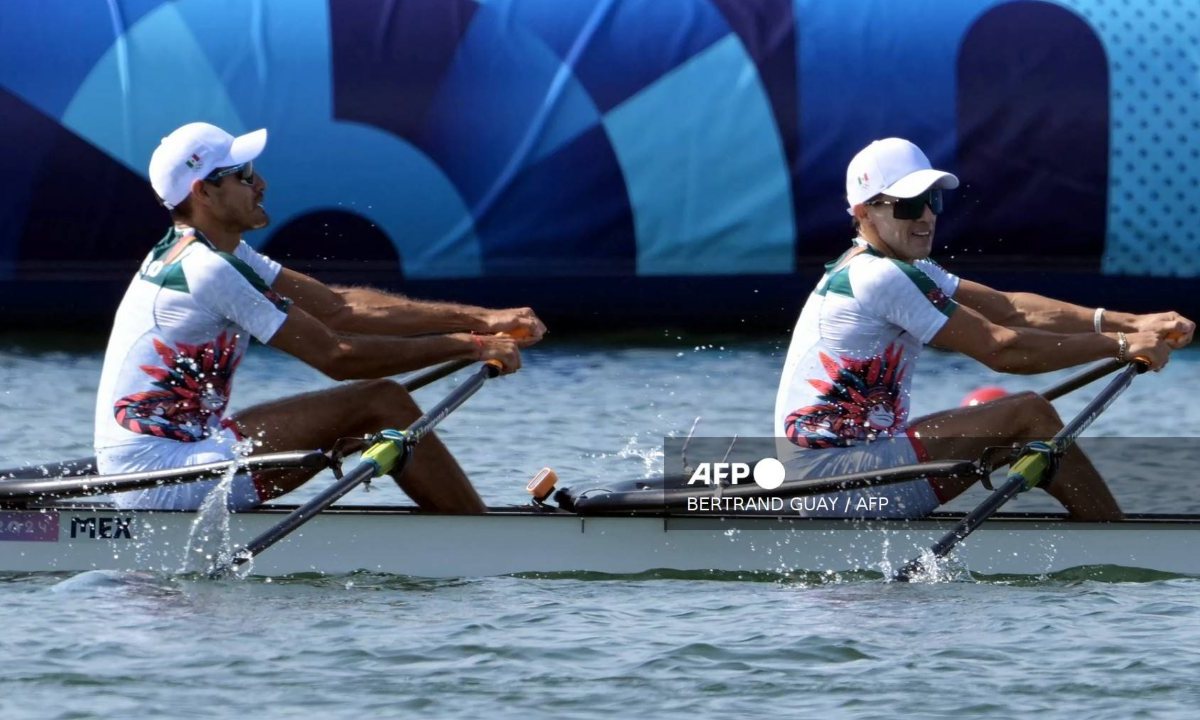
1104,642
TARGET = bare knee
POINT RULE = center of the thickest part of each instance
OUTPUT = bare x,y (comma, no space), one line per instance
387,402
1036,416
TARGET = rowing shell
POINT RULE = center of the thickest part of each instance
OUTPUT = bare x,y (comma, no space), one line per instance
536,540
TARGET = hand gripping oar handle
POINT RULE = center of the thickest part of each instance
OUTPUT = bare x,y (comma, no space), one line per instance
1035,466
389,453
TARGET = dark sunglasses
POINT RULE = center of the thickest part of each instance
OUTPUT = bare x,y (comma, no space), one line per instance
913,208
244,172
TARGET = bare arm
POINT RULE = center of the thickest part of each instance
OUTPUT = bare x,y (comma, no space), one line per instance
344,356
1024,350
1021,309
1027,310
373,312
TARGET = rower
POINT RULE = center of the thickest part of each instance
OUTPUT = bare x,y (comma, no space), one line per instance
845,392
202,293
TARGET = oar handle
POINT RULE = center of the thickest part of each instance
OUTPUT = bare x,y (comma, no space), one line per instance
434,374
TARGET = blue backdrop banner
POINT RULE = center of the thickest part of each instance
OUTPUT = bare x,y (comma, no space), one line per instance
665,160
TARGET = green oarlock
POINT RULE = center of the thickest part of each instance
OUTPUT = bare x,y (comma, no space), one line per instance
1032,468
385,453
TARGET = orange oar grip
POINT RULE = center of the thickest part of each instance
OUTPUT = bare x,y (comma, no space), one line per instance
515,333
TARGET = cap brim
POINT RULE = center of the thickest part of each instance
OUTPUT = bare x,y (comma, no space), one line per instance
247,147
914,184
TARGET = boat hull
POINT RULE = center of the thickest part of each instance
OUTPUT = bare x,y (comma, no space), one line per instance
400,541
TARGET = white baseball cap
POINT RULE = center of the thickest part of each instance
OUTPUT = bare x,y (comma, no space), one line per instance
893,166
193,151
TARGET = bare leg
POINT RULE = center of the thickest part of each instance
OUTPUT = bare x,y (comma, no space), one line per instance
965,433
432,477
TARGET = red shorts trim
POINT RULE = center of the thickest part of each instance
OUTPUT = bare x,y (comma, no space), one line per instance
918,446
231,425
923,456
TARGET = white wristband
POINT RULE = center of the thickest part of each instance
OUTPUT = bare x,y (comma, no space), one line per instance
1098,319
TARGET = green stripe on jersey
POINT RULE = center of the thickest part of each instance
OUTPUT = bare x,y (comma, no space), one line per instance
832,275
839,283
166,275
246,271
928,287
256,280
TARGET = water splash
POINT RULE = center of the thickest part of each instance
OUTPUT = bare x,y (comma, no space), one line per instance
651,456
209,544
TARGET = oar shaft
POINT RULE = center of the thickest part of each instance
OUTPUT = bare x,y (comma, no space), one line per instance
361,473
1030,470
381,458
434,374
1080,379
1099,404
1010,489
438,412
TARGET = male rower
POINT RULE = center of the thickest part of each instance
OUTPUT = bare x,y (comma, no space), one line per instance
843,398
200,296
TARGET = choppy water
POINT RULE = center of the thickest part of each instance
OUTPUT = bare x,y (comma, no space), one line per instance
1105,643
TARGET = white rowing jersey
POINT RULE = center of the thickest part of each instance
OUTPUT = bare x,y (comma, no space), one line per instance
178,337
849,367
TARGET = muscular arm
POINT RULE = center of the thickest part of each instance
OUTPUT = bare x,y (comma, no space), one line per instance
1021,350
344,356
1027,310
372,312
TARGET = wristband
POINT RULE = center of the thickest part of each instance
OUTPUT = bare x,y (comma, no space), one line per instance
1122,348
1098,319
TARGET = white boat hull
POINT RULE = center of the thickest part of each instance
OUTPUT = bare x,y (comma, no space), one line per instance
398,541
